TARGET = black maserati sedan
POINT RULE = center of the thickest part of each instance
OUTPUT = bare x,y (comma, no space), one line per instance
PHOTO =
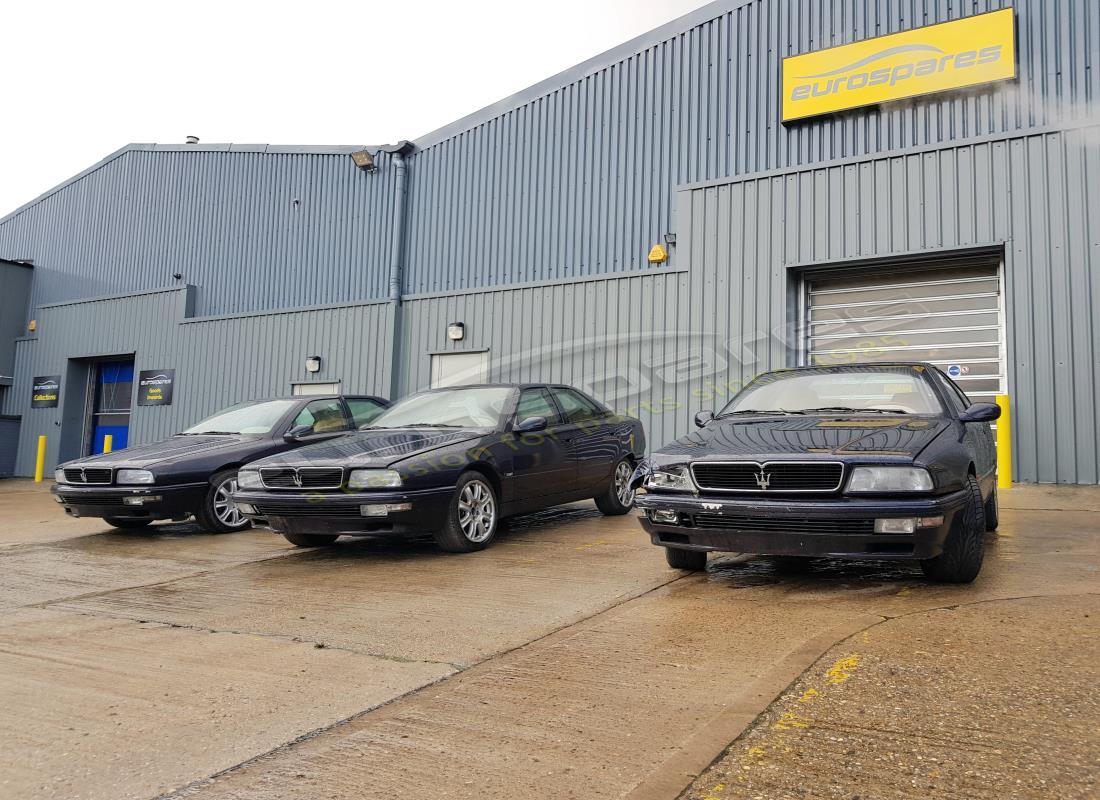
877,461
195,472
451,463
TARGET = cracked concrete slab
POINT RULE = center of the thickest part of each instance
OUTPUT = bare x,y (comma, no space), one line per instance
105,708
992,700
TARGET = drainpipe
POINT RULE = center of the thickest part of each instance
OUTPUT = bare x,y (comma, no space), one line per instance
397,252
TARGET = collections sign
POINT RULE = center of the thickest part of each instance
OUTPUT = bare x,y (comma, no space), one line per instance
951,55
47,388
155,387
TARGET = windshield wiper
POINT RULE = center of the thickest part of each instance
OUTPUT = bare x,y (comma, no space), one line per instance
210,433
758,411
849,410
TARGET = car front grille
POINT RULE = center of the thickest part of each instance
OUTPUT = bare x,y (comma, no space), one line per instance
88,475
810,527
302,477
771,476
113,499
276,509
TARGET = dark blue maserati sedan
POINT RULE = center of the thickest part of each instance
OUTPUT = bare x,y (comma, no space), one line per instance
878,461
451,463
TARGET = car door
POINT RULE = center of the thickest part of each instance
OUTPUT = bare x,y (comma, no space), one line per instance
594,446
977,435
543,465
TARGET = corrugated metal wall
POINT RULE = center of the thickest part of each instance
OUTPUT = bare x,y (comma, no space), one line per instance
9,444
253,230
578,181
1038,195
217,361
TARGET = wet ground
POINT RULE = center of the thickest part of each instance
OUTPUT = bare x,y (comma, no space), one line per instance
565,661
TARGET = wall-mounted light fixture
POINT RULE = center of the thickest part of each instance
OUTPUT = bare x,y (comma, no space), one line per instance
670,238
364,160
313,363
456,331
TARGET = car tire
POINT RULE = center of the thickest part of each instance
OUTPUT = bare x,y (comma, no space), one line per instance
218,514
619,497
310,539
961,559
127,523
992,512
472,517
692,560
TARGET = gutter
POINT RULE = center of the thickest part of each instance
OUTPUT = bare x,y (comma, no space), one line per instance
399,152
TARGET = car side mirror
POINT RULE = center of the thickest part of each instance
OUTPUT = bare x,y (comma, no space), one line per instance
702,418
981,412
530,425
298,432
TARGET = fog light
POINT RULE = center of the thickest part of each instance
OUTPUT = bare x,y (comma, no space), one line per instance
908,525
139,500
930,522
382,509
246,508
663,517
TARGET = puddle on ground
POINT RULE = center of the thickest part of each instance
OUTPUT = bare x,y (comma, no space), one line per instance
742,572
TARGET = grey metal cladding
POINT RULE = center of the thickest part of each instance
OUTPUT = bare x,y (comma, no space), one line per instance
577,179
1038,194
573,178
227,221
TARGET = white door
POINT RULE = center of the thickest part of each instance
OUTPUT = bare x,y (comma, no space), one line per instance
459,369
948,314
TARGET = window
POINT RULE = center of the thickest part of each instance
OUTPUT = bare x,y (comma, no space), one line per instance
853,388
324,416
954,393
536,403
472,407
363,410
575,406
244,418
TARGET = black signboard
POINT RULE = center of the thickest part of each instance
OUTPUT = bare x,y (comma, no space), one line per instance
47,388
155,387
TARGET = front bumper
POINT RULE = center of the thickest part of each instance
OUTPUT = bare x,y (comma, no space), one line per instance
836,526
174,501
339,512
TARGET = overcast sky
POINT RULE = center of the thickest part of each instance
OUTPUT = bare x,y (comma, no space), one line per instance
84,78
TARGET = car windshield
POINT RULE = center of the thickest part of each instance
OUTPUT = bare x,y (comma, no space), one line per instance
883,390
478,407
246,418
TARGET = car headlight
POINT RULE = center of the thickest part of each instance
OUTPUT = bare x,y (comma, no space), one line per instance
249,479
890,479
670,479
374,479
134,476
59,475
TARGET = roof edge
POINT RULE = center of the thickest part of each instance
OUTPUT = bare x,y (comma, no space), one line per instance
335,149
620,52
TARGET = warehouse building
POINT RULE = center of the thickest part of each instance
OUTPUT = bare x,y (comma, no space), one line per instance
760,183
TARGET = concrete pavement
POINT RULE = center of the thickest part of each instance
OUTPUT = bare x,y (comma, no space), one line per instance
565,661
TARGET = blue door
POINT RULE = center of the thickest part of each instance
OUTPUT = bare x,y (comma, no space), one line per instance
114,390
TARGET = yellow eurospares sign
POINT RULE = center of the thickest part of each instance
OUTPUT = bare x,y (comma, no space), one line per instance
964,52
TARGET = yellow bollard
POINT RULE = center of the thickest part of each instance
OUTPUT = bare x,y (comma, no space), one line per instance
40,460
1004,445
108,442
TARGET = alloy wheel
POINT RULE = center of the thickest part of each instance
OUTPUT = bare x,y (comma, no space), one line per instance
476,511
224,508
623,492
